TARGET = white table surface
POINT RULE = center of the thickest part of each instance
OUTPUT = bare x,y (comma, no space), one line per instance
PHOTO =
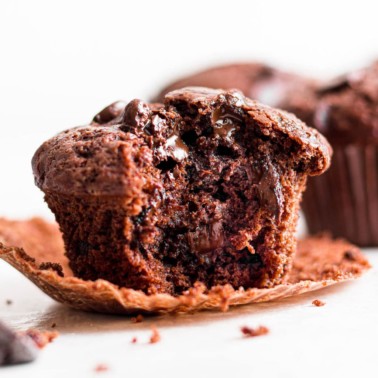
339,338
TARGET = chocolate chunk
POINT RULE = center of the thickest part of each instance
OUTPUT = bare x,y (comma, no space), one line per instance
15,348
110,112
175,148
270,190
136,116
225,123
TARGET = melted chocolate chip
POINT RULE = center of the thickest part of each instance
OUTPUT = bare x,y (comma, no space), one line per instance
270,191
225,122
110,112
207,237
225,130
223,115
174,148
157,125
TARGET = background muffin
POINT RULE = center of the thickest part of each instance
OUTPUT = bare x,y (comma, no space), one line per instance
345,200
257,81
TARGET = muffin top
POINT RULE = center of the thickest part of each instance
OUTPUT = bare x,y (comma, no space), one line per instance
124,149
257,81
347,110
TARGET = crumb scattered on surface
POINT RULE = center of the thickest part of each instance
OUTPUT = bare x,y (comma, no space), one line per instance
137,319
53,325
318,303
101,367
134,340
41,338
254,332
155,337
8,302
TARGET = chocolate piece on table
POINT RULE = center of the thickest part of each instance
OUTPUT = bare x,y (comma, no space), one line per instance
15,348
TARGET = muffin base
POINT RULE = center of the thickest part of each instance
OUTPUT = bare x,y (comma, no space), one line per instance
320,262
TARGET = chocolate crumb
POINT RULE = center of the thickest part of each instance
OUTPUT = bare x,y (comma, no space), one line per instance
57,268
318,303
137,319
155,337
254,332
8,302
41,338
101,368
134,340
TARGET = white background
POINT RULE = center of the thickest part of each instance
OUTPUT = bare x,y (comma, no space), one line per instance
62,61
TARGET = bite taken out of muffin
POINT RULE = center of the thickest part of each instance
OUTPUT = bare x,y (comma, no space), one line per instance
205,188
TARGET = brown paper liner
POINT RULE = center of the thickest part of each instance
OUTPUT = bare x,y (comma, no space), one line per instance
344,200
27,245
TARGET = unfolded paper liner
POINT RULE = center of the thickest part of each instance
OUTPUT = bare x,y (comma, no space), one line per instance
27,245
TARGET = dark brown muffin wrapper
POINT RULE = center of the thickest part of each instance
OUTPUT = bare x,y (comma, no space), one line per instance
344,200
320,262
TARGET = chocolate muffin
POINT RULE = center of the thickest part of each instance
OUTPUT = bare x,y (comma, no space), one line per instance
345,200
263,83
204,188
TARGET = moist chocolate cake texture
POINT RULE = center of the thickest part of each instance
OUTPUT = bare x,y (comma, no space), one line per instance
203,188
